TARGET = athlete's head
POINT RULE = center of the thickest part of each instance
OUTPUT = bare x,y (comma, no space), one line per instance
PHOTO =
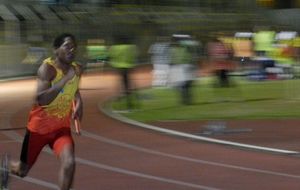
65,47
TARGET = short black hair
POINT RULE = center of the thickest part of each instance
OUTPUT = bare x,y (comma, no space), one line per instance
59,40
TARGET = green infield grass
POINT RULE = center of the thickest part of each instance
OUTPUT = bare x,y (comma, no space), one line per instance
244,100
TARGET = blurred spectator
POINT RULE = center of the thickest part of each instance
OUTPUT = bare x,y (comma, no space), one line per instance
183,71
220,58
263,42
123,58
296,45
160,59
243,49
283,54
285,48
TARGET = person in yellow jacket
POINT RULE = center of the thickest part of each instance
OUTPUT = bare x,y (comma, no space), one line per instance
263,42
122,56
52,113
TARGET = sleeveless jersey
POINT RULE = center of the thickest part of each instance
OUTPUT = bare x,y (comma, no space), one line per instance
57,114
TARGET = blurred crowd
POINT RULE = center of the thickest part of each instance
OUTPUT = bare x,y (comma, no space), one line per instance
259,55
179,59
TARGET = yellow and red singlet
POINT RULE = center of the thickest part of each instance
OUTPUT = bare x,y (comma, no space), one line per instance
56,115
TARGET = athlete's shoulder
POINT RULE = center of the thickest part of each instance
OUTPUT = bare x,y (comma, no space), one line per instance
78,68
47,70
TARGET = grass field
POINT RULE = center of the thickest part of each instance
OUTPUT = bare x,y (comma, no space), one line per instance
245,100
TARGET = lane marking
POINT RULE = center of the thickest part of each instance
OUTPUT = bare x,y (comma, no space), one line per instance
17,137
12,129
37,181
150,151
8,141
142,175
120,170
119,117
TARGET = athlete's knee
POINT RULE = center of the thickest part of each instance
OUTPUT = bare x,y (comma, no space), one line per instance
67,157
68,162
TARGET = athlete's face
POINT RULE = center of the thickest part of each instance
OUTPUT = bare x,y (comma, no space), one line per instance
67,51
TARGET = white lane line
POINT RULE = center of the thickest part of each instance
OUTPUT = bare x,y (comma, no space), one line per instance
128,172
17,137
142,175
37,182
6,112
150,151
8,141
119,117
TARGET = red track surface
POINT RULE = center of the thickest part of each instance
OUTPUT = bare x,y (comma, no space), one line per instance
112,155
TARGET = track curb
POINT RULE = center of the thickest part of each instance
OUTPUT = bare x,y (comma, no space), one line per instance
107,110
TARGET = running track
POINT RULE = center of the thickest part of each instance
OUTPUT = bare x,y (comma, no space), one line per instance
112,155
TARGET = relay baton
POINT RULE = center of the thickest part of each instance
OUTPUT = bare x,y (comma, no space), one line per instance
76,121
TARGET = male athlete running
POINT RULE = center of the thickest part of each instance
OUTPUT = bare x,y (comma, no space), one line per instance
51,115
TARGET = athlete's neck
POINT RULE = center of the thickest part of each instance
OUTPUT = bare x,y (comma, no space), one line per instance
62,65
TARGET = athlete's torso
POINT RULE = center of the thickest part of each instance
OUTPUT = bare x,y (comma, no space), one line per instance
55,115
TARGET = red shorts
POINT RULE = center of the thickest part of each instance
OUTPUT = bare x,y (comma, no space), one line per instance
34,143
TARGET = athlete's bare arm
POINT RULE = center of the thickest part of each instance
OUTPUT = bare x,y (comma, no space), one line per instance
78,112
45,92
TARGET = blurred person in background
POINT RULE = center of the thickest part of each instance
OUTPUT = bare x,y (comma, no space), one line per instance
296,45
243,50
160,60
183,66
50,117
263,41
284,54
220,58
123,57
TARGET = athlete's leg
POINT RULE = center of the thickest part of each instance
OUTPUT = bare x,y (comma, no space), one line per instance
63,147
32,145
67,168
